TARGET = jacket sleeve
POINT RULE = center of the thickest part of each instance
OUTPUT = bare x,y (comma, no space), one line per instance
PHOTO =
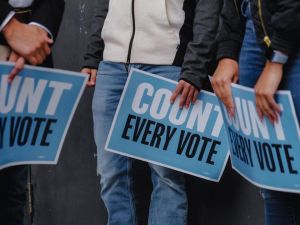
286,25
48,13
231,31
5,9
94,52
199,51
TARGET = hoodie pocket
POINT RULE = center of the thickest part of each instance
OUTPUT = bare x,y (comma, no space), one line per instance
152,16
118,19
163,15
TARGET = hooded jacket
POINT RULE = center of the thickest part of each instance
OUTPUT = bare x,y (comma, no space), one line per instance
156,32
277,26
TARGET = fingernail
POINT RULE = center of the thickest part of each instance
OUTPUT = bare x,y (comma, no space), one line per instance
231,113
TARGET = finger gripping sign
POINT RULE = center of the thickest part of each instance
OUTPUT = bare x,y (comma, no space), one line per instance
35,113
147,126
265,154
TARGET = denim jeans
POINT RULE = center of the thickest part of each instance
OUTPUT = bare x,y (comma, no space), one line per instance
280,208
168,200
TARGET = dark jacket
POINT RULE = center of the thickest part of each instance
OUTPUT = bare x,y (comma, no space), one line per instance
277,25
194,51
45,12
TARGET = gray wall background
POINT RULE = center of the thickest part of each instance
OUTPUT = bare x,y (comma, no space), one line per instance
68,194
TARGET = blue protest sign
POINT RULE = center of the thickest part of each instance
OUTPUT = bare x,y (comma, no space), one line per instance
148,127
265,154
35,113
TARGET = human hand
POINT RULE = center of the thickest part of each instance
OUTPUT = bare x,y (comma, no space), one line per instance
19,65
92,73
29,41
225,74
265,88
188,93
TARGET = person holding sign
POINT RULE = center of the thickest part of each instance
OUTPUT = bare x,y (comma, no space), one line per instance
173,39
258,45
27,31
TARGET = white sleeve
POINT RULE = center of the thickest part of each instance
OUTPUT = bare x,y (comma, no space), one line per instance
7,19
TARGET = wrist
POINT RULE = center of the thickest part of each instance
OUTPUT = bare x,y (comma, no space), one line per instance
42,28
274,68
227,61
9,28
276,56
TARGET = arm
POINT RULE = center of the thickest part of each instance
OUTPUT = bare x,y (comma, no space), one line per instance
95,46
32,42
199,51
5,9
230,40
285,23
232,29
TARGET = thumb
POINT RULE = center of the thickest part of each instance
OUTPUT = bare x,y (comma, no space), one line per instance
92,79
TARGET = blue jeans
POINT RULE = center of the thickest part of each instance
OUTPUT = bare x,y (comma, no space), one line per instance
168,200
280,208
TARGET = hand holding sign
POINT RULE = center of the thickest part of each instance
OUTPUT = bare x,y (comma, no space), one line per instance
35,112
148,127
188,93
264,153
225,74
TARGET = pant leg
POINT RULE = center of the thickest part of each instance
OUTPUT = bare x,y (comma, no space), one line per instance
291,79
115,170
13,181
169,204
280,208
252,59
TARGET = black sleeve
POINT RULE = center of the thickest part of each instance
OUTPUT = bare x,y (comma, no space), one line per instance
286,25
232,30
5,9
95,45
199,51
48,13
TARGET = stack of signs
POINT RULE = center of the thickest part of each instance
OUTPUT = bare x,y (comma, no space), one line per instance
35,112
147,126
